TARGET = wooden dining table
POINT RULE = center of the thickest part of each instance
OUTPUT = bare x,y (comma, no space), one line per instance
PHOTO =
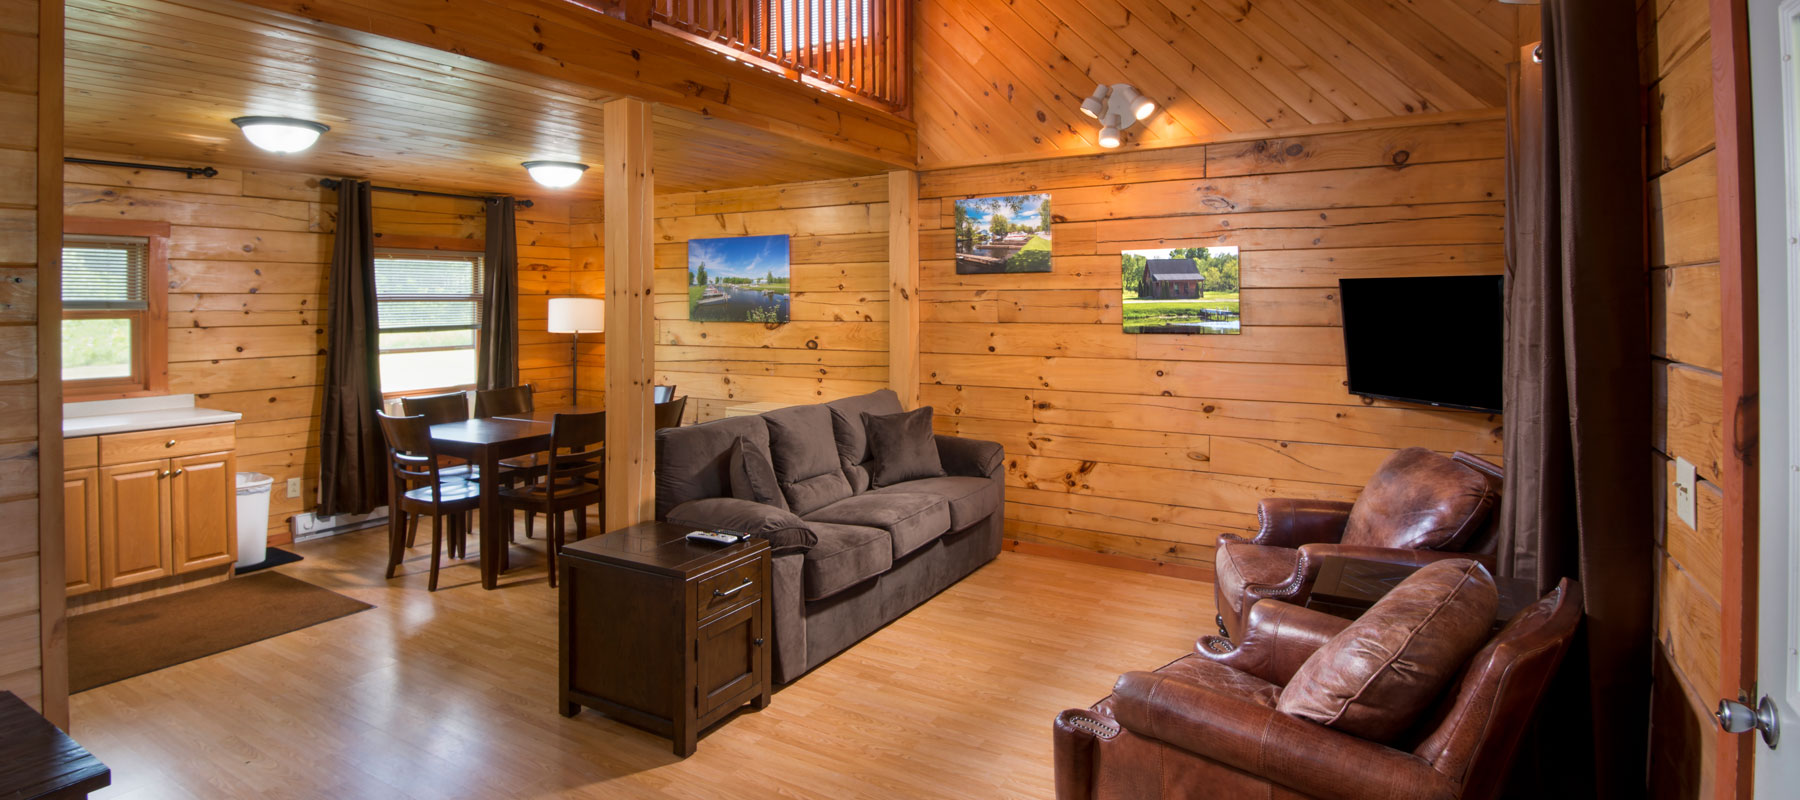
484,442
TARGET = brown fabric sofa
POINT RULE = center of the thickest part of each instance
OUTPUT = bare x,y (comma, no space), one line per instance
1418,508
848,558
1206,725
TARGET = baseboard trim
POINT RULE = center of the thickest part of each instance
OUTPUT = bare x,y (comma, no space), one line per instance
1203,574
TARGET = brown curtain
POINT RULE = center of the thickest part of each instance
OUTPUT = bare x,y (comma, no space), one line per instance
498,356
352,456
1577,392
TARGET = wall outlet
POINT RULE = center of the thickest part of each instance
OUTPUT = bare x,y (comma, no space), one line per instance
1686,484
293,487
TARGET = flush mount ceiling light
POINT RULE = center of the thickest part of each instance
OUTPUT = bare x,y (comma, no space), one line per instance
1117,107
280,134
555,174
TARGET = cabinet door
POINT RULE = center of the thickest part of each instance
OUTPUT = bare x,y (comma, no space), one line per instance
726,659
203,510
134,523
81,530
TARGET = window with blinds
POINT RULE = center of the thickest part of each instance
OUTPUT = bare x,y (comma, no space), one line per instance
428,308
104,290
104,273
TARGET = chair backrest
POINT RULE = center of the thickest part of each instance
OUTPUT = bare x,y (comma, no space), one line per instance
510,400
577,447
1476,731
668,415
1419,500
663,393
410,453
437,409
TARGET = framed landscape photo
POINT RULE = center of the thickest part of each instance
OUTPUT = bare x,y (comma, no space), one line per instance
1010,233
738,279
1183,290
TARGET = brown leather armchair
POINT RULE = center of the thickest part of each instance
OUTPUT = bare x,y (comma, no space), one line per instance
1420,507
1206,725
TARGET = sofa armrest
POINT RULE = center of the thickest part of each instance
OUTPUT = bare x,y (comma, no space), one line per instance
1311,554
1278,637
786,533
1291,522
1302,755
974,458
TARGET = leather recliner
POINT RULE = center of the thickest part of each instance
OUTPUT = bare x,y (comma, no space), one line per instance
1206,725
1420,507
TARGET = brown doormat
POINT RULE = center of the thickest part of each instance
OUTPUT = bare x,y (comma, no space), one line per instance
117,643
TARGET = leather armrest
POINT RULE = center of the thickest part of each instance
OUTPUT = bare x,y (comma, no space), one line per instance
1278,637
1291,522
786,533
1302,755
1310,555
972,458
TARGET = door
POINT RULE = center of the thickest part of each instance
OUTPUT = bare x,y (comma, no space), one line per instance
1774,31
134,523
203,511
81,530
726,658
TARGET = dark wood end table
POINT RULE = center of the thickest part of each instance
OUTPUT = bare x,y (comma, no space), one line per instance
37,760
661,633
1346,587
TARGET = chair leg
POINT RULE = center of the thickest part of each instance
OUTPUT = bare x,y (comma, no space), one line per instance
412,530
580,523
396,542
437,541
530,517
553,536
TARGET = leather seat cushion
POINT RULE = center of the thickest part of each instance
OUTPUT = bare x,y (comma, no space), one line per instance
971,499
1241,564
911,520
844,556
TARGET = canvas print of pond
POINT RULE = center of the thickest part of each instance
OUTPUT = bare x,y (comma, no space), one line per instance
1003,234
740,279
1185,290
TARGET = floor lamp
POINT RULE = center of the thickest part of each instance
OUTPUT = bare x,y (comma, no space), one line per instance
577,315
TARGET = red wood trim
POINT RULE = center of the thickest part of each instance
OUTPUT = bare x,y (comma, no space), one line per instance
451,243
1184,571
1735,773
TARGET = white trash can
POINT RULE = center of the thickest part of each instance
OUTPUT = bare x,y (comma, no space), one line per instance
253,492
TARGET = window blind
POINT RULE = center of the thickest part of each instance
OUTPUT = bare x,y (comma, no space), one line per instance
104,273
427,291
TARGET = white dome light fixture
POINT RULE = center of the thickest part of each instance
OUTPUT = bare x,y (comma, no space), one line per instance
1117,107
280,134
555,174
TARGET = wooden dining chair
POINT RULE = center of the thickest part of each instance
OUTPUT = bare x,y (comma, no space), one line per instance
496,402
668,415
663,393
448,500
574,479
437,409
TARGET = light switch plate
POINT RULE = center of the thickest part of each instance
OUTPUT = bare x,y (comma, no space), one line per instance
1686,484
294,487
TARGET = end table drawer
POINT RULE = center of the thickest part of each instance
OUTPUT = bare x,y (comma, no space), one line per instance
728,587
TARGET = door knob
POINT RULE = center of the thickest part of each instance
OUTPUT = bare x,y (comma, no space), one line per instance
1736,717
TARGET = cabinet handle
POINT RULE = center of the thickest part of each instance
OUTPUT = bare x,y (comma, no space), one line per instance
733,590
170,443
162,473
178,472
757,642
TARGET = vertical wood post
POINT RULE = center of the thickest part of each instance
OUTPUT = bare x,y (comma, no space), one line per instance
903,283
630,302
52,595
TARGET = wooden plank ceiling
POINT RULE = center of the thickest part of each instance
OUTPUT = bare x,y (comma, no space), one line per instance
1002,80
160,80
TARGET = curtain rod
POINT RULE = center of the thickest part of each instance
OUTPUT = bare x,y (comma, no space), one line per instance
332,183
204,172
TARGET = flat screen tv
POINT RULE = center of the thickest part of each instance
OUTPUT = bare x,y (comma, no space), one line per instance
1435,341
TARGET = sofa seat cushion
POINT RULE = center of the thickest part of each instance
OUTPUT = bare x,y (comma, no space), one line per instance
1240,565
971,499
911,520
844,556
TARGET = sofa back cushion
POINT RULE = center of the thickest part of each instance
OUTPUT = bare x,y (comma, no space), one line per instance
1376,677
694,462
753,474
1419,500
852,438
804,449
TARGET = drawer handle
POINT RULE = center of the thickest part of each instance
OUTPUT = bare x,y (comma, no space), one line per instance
170,443
733,590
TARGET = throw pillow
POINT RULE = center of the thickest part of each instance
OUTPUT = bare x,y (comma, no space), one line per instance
753,475
902,447
1374,678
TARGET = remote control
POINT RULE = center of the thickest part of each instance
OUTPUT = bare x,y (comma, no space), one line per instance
715,537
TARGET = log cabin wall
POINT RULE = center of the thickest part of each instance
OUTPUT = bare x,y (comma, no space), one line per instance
249,254
836,342
1150,445
1687,388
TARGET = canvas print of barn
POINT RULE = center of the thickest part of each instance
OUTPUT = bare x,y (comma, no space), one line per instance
1184,290
1003,234
740,279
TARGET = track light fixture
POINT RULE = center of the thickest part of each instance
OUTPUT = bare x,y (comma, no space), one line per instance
1117,107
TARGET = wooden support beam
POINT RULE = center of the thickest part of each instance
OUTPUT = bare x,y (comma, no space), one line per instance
903,292
630,303
52,599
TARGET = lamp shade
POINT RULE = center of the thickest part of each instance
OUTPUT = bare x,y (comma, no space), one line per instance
280,134
577,315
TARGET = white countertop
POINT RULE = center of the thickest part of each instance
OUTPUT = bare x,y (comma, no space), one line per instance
139,414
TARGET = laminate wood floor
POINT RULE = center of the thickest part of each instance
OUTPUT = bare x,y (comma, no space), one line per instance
453,695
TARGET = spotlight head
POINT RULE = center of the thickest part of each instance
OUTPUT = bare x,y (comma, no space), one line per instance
1109,134
1095,104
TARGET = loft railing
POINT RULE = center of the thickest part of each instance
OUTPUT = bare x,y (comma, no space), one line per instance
857,47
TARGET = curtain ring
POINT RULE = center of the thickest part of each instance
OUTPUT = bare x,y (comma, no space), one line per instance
1537,53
